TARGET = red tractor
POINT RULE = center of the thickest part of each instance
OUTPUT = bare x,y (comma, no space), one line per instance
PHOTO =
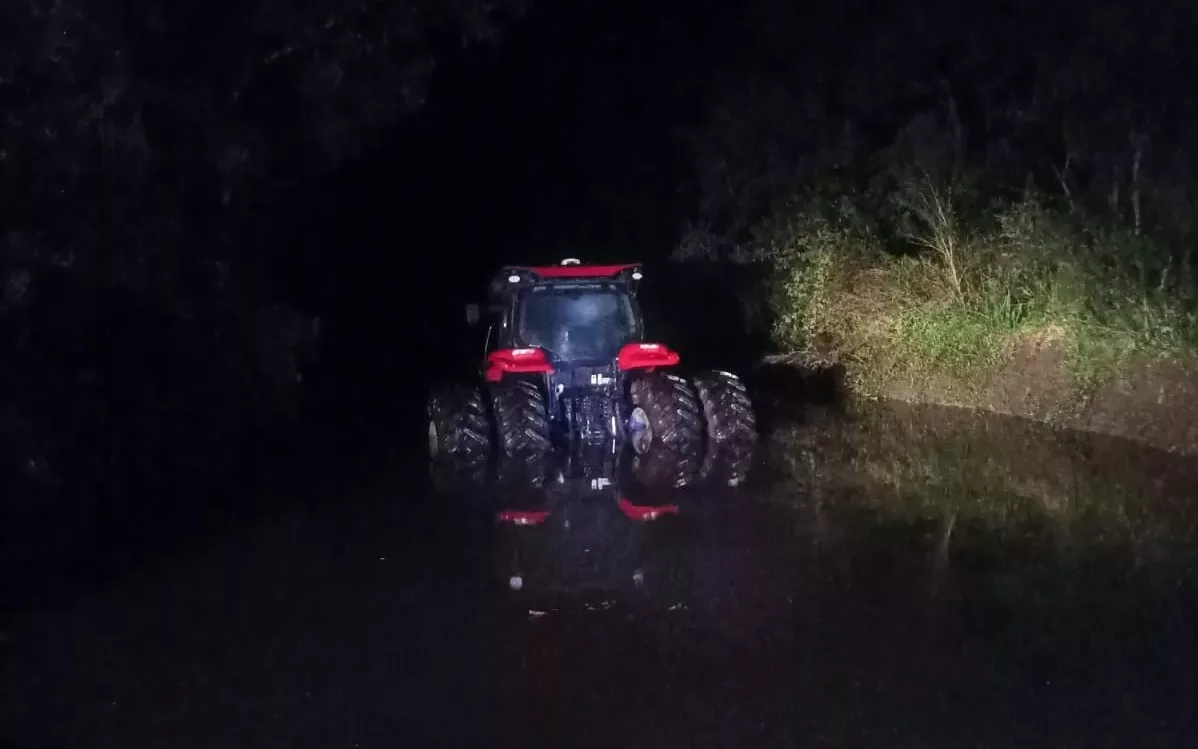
566,364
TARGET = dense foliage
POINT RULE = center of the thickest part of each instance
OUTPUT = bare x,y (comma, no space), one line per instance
934,177
149,159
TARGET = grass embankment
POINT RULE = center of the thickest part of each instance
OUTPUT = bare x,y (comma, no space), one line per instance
945,300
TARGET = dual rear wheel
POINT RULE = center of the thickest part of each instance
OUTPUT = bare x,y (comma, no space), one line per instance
459,437
680,430
702,428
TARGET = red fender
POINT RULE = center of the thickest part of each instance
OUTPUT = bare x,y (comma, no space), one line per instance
516,361
646,356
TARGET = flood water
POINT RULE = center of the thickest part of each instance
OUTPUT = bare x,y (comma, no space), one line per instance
905,577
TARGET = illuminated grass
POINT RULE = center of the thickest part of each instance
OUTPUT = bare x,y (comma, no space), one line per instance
888,318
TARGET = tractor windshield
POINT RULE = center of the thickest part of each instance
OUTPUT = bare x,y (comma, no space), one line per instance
577,323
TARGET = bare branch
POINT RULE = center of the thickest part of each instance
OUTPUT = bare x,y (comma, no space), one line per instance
1062,174
1137,144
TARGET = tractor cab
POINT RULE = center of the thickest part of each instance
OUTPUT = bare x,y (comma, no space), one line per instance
577,330
573,313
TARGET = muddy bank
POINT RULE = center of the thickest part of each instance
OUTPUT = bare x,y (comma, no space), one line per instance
1152,402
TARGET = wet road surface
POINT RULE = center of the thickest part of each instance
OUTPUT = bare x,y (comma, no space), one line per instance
818,606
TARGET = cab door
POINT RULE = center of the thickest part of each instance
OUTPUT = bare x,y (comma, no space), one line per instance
496,337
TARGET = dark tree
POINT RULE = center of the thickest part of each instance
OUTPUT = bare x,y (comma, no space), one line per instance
151,158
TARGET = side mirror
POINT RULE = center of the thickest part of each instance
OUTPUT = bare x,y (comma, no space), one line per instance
472,314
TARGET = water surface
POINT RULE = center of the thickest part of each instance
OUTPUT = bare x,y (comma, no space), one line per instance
905,577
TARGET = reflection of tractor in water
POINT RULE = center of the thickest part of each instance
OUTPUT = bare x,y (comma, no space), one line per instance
566,367
582,538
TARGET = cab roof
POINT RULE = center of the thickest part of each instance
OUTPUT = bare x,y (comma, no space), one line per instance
512,278
580,271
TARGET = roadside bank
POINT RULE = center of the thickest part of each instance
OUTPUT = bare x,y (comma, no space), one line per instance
1151,401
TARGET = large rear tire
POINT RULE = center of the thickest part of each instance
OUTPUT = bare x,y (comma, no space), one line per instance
669,448
459,437
457,422
672,408
522,432
731,427
662,467
521,419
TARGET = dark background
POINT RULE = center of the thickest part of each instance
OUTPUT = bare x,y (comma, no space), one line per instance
199,201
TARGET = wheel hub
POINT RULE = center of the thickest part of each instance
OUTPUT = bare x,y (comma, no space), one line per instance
639,431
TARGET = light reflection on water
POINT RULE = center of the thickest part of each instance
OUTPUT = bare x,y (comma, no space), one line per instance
918,576
911,577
